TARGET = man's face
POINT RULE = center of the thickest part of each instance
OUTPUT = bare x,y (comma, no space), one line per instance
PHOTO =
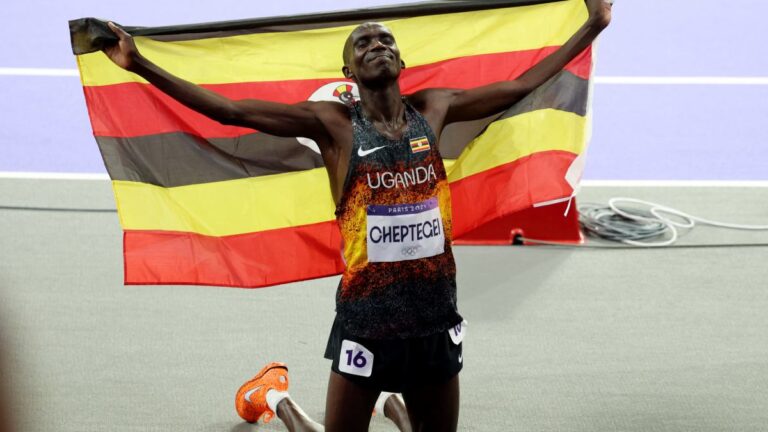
371,55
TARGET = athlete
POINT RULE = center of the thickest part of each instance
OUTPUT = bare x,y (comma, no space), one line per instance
397,327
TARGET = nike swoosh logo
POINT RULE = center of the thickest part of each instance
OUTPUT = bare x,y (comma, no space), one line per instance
247,395
364,153
461,358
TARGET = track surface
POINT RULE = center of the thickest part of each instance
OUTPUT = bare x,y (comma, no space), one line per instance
559,339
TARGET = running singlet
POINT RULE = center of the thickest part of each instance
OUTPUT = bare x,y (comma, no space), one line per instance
395,220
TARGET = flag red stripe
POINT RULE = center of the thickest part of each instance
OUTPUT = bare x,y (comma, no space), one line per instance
250,260
509,188
134,109
311,251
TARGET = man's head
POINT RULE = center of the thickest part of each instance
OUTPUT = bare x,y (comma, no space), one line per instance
371,56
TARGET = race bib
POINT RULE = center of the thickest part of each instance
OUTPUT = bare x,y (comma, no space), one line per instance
458,332
355,359
405,231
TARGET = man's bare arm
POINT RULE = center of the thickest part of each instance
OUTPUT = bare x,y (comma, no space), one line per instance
270,117
480,102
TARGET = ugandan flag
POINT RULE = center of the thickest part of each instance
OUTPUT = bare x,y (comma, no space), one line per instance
207,204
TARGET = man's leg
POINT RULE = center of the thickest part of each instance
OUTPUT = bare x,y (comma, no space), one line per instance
434,408
266,395
392,406
295,419
348,406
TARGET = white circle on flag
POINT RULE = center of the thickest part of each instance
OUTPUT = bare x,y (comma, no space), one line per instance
339,91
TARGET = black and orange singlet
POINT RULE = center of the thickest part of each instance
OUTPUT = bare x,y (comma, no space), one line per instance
395,219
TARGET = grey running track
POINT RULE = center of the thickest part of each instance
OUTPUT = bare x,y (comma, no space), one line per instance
559,339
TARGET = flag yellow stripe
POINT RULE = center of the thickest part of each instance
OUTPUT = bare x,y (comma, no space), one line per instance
228,207
293,199
519,136
316,54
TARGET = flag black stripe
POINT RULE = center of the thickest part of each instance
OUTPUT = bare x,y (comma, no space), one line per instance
179,159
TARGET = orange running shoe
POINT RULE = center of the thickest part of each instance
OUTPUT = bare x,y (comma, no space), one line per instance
251,398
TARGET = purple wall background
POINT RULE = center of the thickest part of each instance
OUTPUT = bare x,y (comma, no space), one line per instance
642,132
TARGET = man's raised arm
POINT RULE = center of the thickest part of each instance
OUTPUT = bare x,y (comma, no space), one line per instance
487,100
270,117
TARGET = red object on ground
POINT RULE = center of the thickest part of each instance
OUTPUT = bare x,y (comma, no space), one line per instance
547,223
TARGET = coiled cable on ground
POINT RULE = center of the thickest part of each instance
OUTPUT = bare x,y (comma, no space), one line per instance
635,226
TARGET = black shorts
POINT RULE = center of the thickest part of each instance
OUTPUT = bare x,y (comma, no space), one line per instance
395,365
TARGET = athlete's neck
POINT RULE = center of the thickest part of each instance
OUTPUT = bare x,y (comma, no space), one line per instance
384,106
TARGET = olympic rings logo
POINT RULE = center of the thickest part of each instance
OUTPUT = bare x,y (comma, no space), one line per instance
410,251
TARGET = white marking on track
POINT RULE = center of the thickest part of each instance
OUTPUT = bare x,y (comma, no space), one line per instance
584,183
610,80
42,72
52,176
676,183
680,80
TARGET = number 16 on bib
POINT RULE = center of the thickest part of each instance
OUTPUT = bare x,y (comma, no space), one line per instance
355,359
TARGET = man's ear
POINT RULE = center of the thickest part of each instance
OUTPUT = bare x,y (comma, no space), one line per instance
402,64
347,72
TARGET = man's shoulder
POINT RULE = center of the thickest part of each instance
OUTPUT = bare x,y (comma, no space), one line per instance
322,106
426,98
327,110
334,116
